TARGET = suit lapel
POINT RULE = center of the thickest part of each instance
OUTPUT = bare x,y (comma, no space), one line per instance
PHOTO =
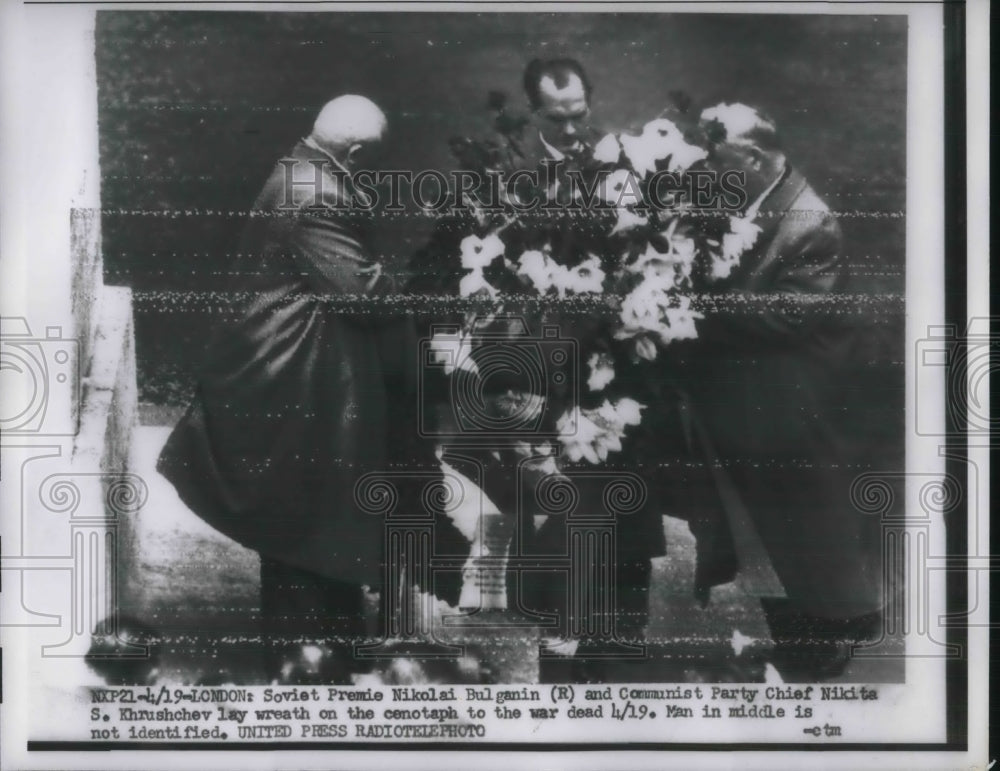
777,204
534,152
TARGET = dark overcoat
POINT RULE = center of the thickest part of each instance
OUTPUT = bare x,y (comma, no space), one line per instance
773,379
295,400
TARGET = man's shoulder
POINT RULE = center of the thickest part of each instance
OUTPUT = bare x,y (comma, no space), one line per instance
798,211
302,178
810,213
808,200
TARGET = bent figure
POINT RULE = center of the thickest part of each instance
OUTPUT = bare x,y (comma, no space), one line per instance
297,397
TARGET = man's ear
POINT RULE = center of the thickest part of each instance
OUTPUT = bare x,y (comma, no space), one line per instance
756,158
351,152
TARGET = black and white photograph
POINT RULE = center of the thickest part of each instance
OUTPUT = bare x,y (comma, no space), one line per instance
463,376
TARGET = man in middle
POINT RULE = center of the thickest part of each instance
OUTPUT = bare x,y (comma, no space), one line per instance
555,142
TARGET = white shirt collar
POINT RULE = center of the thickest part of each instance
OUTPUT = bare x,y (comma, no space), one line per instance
557,155
310,142
553,153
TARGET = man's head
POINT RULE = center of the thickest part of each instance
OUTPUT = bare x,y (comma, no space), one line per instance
743,139
350,129
558,92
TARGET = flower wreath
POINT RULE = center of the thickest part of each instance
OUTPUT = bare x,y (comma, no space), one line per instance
639,265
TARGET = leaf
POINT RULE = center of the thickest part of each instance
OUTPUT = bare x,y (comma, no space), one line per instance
715,131
460,147
472,154
681,100
511,125
496,100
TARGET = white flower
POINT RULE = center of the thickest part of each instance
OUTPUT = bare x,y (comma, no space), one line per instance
607,443
681,323
602,371
534,266
648,309
683,156
627,220
615,417
475,282
478,253
643,151
721,267
453,350
602,430
583,278
741,237
607,414
594,434
620,188
544,466
641,310
628,411
738,119
566,423
682,255
543,272
607,150
660,138
578,434
559,277
668,270
680,320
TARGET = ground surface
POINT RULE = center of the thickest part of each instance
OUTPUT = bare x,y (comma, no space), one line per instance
198,592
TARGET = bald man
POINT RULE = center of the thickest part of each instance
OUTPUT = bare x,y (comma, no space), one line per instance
297,395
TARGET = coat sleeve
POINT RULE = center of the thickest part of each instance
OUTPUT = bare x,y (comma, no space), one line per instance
799,272
332,259
328,253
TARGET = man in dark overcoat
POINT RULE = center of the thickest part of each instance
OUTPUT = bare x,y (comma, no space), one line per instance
773,379
301,396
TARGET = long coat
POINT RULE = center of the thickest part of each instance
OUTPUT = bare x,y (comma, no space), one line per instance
296,399
773,378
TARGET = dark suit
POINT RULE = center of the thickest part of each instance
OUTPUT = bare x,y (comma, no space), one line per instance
639,535
293,406
771,379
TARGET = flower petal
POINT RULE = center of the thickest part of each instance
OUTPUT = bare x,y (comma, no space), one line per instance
607,150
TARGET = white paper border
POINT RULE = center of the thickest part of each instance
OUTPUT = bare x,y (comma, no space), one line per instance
40,182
